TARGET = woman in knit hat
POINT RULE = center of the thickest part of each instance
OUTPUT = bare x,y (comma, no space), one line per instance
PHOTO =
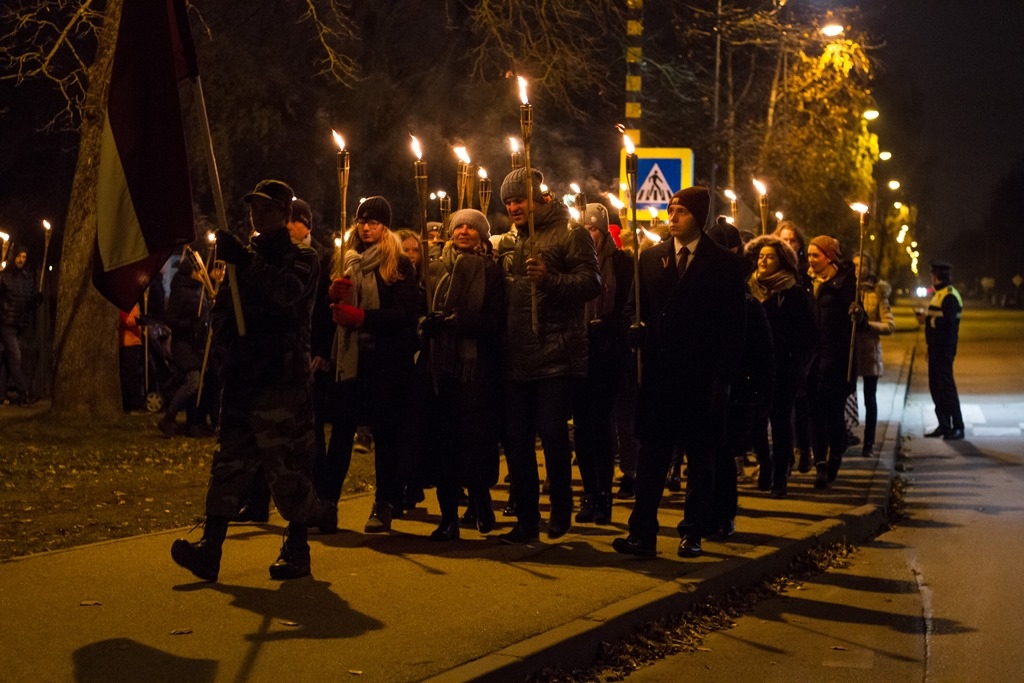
608,361
375,305
834,292
459,366
775,283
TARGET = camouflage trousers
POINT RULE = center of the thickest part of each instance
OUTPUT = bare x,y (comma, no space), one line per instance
272,428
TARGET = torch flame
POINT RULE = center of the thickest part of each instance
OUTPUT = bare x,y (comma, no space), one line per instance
514,144
654,211
211,237
574,187
4,236
859,207
630,149
442,194
730,195
416,148
462,154
652,236
574,213
614,201
46,224
761,189
340,141
522,91
337,243
482,172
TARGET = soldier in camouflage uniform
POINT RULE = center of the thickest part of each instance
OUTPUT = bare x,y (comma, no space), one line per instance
266,404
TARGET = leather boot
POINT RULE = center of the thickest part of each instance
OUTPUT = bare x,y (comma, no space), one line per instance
293,560
586,513
202,558
485,520
603,508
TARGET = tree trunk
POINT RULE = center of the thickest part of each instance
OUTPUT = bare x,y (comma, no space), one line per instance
86,371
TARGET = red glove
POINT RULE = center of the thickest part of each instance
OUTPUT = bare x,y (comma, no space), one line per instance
338,290
347,316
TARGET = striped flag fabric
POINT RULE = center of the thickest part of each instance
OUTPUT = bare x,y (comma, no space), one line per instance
143,194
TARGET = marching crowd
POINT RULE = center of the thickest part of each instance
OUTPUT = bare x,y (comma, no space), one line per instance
720,347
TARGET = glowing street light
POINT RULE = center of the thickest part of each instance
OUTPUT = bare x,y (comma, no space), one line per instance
884,156
871,114
832,30
894,184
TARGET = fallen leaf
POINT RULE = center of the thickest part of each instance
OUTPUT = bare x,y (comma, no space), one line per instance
839,647
285,622
90,603
181,632
355,672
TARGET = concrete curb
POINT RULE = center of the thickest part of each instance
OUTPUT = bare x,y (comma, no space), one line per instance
577,644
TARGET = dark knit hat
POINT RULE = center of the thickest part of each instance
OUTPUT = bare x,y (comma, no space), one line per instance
374,208
276,191
473,219
514,184
939,267
829,246
697,201
596,216
302,213
725,235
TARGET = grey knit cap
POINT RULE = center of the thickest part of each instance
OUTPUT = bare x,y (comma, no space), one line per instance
596,216
473,219
514,184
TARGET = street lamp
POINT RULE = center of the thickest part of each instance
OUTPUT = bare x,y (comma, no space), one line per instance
832,30
894,185
884,156
870,114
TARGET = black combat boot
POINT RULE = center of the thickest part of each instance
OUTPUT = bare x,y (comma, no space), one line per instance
202,558
293,560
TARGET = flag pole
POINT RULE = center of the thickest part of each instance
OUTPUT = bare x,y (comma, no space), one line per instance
218,198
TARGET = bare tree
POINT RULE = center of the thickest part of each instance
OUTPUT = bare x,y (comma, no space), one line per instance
561,45
70,44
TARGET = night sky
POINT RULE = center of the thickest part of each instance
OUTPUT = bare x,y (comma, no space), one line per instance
951,94
950,88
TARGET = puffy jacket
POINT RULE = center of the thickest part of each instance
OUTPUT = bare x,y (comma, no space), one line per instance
559,348
880,322
17,296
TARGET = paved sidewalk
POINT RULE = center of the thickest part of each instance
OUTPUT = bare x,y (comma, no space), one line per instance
400,607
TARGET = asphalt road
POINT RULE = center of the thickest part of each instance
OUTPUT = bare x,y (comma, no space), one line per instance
937,598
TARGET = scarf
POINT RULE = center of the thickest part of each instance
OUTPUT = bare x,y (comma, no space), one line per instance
604,303
819,280
762,288
459,292
361,267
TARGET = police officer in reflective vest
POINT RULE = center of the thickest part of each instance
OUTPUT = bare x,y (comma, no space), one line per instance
941,332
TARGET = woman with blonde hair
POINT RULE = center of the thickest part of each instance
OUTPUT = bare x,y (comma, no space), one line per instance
375,305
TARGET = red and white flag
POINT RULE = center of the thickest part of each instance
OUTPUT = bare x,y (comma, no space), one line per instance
143,195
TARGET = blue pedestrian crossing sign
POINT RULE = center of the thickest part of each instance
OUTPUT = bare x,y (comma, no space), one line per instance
661,172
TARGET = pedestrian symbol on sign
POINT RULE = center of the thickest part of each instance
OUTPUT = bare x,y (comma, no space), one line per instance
654,189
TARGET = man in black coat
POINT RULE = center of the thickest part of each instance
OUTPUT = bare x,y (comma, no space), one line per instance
690,335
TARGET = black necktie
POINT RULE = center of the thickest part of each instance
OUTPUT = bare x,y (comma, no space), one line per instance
684,254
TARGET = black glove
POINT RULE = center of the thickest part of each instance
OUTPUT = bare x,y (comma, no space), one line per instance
432,324
857,314
636,335
231,249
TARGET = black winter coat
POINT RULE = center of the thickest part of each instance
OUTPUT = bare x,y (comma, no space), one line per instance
831,307
559,349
